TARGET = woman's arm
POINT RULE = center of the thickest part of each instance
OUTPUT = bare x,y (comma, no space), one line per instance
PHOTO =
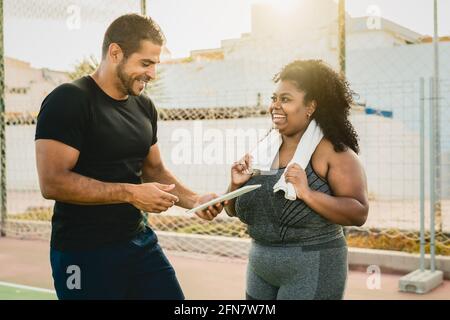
230,208
240,174
349,205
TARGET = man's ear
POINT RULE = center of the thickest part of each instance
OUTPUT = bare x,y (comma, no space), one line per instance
115,53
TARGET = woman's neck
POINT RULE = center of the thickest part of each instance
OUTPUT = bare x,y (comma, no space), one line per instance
292,140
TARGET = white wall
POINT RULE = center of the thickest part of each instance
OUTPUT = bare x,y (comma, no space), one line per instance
372,40
390,159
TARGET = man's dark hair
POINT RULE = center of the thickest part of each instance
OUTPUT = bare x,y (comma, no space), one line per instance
129,30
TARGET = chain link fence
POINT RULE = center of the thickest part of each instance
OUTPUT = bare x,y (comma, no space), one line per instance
219,97
385,62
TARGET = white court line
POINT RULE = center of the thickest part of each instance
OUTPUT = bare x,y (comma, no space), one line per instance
19,286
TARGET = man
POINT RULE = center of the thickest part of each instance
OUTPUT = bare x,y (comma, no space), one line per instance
97,156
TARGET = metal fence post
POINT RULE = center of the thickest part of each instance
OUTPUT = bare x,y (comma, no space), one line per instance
422,173
2,131
144,7
341,36
432,121
436,124
423,280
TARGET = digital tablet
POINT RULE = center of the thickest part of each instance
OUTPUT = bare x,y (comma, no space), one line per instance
227,196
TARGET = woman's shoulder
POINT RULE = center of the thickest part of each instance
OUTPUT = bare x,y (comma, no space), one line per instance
326,152
326,156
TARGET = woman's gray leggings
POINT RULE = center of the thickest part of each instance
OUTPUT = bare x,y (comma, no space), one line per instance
309,272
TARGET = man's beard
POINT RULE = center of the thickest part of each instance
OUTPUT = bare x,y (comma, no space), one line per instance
125,81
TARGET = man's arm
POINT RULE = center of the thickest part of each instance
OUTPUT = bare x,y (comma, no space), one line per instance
57,181
155,170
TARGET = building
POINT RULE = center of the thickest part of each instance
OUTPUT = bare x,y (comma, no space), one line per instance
241,70
26,87
384,64
384,60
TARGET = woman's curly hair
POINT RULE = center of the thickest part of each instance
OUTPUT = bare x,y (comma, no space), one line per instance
333,97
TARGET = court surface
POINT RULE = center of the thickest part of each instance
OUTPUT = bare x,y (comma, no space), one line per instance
25,271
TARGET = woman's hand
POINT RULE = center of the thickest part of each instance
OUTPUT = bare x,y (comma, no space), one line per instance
212,211
297,176
240,171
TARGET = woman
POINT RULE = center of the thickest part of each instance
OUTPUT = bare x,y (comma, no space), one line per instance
299,249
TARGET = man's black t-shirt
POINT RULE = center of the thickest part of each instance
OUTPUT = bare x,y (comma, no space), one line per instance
113,137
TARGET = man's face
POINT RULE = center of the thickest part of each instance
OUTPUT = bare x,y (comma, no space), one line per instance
134,72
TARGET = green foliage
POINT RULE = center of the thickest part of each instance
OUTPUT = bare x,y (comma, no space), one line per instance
84,68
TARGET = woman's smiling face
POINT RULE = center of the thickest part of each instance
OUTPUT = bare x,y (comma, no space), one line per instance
288,109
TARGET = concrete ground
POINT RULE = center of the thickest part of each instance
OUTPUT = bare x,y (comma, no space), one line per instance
26,262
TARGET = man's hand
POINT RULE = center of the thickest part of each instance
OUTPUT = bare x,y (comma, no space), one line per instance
152,197
212,211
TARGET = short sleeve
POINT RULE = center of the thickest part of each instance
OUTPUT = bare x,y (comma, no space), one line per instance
64,116
154,120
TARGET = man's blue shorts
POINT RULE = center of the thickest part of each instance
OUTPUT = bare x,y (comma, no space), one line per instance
137,269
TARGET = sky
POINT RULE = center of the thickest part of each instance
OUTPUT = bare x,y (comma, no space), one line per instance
58,33
229,18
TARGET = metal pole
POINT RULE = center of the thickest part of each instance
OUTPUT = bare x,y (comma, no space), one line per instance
422,174
436,96
434,128
144,13
143,7
341,35
432,174
2,131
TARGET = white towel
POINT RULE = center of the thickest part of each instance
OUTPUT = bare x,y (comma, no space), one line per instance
265,152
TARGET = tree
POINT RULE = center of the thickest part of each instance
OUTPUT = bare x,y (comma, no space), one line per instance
84,67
